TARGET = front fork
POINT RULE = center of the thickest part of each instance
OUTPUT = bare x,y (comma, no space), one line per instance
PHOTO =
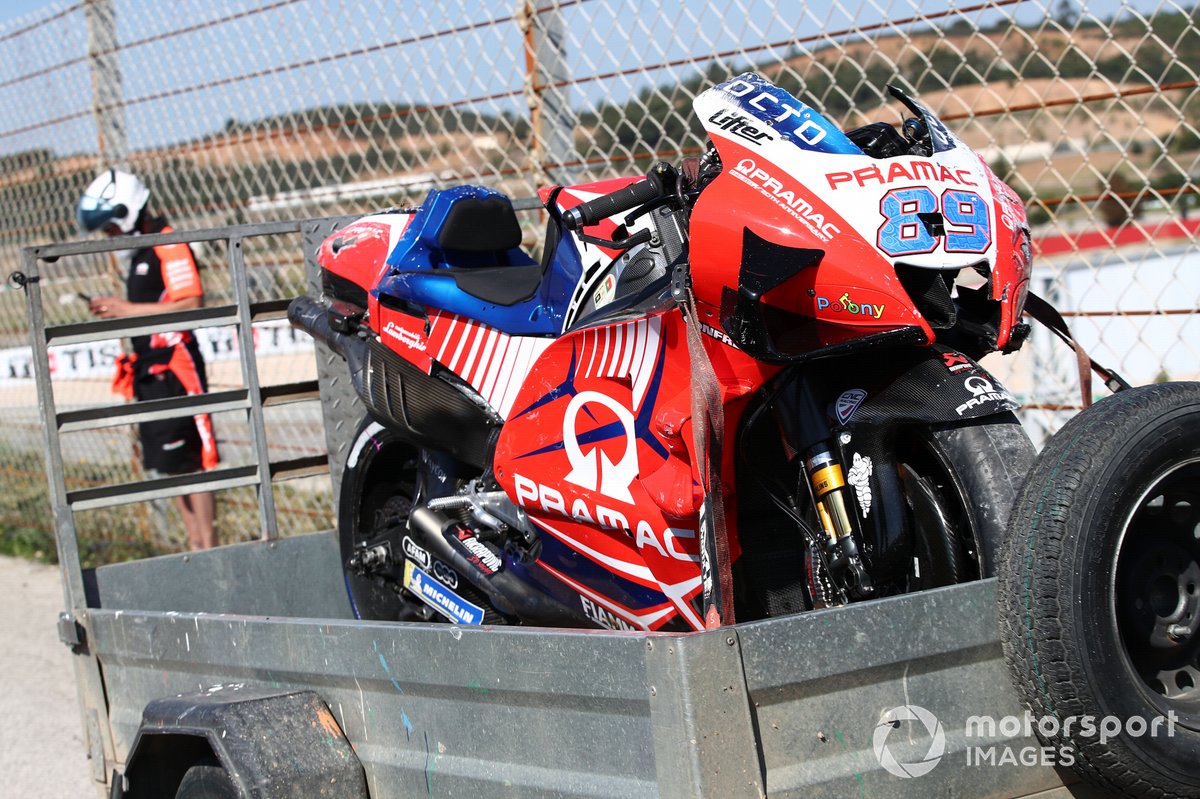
827,485
824,477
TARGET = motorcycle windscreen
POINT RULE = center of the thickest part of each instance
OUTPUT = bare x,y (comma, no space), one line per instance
757,111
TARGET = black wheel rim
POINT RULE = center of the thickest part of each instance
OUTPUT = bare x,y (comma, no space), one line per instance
1156,592
390,489
940,519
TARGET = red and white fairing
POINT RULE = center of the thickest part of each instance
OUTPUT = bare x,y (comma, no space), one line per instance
863,213
593,453
359,252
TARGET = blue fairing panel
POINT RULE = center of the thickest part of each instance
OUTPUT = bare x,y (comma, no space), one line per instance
436,289
793,120
561,557
420,272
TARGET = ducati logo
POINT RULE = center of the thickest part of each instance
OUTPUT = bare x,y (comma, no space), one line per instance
594,470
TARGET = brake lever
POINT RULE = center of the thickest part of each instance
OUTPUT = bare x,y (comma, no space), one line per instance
646,208
641,237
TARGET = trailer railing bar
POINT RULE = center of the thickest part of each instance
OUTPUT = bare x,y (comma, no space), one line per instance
50,252
307,466
212,316
290,392
104,329
268,310
153,410
176,485
249,360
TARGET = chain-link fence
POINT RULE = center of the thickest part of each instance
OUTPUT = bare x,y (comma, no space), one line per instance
249,110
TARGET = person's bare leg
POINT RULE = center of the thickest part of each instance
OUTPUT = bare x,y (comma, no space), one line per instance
189,520
199,512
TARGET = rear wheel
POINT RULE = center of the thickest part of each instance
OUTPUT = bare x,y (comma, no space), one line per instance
379,486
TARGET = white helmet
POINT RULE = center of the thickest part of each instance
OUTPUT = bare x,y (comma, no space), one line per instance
116,198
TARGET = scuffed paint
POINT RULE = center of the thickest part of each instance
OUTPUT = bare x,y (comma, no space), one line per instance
431,761
328,723
388,671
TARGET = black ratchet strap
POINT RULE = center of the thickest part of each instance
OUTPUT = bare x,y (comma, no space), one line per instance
1044,312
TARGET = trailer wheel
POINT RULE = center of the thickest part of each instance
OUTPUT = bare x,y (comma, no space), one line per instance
206,782
1099,593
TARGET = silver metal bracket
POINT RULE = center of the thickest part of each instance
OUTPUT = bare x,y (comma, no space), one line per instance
71,632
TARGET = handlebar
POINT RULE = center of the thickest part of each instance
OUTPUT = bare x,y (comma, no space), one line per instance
591,212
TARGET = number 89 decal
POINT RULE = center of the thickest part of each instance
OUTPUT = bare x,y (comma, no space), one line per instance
910,213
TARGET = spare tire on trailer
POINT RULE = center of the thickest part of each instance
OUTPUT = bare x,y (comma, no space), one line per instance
1099,592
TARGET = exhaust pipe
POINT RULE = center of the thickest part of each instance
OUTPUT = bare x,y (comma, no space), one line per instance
312,316
507,593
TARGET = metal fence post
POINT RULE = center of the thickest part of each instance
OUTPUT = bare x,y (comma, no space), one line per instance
107,94
552,119
269,525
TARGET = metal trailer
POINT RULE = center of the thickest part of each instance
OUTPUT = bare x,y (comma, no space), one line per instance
249,655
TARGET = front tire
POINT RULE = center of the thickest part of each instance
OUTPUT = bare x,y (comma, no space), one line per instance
1099,594
971,473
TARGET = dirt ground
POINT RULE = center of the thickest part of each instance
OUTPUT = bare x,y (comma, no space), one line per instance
42,753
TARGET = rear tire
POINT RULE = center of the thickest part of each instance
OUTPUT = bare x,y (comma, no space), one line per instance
1099,594
379,486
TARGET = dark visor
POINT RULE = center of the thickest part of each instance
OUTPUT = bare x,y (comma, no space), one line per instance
92,219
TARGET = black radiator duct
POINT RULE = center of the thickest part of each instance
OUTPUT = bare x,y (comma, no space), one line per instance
428,409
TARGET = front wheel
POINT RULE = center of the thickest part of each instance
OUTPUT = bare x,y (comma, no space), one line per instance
956,485
960,482
1099,594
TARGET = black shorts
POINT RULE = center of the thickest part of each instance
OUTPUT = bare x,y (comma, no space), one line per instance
171,446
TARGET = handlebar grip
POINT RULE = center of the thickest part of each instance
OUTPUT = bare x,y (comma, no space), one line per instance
590,212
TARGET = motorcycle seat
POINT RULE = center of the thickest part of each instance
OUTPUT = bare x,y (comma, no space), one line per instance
480,242
463,254
502,285
475,226
465,227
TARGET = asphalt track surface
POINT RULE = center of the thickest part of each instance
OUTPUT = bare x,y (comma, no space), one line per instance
42,754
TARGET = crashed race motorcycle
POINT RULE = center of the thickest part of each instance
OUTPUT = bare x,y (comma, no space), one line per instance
742,387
